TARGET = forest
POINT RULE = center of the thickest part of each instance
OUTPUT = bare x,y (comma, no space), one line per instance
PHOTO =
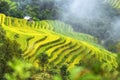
59,40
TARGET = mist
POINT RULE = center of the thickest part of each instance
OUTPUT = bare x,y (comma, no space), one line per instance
84,9
115,31
93,17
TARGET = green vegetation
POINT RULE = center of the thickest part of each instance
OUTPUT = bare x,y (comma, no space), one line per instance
43,60
8,50
50,49
64,73
20,68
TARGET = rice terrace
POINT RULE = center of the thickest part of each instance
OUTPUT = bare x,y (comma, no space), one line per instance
57,43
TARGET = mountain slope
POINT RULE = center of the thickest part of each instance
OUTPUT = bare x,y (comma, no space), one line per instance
53,38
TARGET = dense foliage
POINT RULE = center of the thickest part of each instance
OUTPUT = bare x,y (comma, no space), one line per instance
4,7
20,8
8,50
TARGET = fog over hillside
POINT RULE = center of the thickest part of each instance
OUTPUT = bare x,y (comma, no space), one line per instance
93,17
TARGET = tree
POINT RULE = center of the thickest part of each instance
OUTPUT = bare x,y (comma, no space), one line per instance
4,7
21,70
64,73
43,60
8,50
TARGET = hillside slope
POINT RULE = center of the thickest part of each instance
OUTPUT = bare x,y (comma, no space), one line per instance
58,40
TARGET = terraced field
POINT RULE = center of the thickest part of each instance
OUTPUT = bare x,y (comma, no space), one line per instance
49,36
114,3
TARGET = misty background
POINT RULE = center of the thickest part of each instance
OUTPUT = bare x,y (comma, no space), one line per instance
93,17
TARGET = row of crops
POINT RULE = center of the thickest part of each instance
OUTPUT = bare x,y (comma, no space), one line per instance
114,3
